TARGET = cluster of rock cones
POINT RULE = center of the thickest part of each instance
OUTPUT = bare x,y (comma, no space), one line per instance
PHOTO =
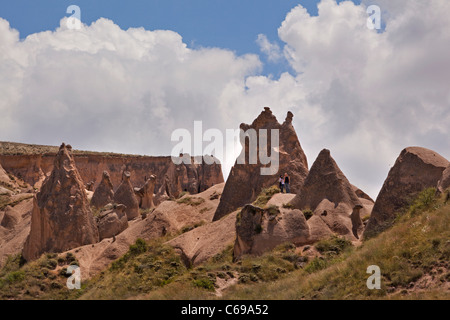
322,203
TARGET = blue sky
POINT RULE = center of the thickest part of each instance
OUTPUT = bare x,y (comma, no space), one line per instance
230,24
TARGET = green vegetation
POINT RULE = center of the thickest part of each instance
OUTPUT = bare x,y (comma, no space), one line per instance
308,214
265,195
413,257
44,278
191,201
288,206
8,201
192,227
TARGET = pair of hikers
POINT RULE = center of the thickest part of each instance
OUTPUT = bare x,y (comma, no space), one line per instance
284,183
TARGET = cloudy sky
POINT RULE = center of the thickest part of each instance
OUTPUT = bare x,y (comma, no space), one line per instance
138,70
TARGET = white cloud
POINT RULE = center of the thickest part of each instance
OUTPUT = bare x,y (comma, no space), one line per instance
272,50
364,95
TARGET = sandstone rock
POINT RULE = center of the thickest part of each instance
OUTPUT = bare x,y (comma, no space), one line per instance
125,195
325,181
61,217
10,218
4,178
361,194
104,193
245,181
260,230
90,186
444,183
112,222
32,166
415,170
357,224
202,243
145,194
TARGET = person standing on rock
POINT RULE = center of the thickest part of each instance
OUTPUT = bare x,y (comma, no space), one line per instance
281,182
286,183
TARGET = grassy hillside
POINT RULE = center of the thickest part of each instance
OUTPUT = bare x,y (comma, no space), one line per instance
413,257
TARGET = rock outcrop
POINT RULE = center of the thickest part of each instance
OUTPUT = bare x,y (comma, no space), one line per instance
4,178
32,163
112,222
145,194
10,218
125,195
104,193
329,195
444,183
61,217
415,170
259,230
325,181
245,181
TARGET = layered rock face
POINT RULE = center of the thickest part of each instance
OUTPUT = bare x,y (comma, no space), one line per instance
112,222
104,193
444,183
415,170
245,181
61,217
259,230
32,163
331,197
125,195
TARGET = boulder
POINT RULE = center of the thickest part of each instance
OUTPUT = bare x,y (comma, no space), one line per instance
246,181
125,195
259,230
104,193
61,217
112,222
414,170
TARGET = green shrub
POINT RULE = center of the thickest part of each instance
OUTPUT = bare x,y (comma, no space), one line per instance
315,265
424,201
15,276
308,214
139,247
265,195
204,283
333,245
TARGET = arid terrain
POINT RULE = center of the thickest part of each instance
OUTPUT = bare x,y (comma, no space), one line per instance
141,227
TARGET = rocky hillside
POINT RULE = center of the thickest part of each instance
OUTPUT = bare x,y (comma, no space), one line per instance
32,163
240,239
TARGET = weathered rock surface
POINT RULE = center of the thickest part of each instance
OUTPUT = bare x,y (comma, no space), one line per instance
145,194
444,183
245,181
415,170
169,217
31,163
325,181
104,193
202,243
331,197
112,222
61,217
259,230
125,195
12,240
10,219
